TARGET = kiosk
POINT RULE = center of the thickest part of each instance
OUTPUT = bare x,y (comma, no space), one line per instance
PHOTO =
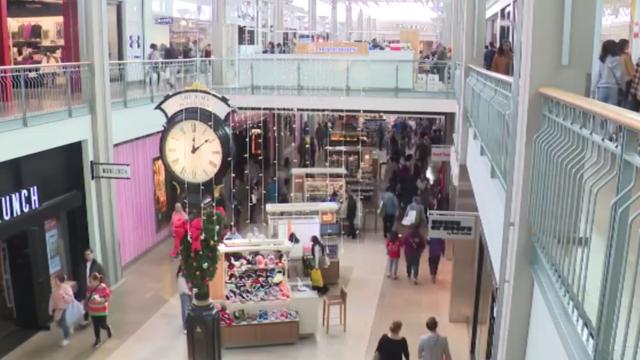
317,184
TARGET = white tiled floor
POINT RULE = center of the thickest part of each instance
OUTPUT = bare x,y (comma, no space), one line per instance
374,301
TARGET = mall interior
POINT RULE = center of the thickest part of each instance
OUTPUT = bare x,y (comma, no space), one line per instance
235,173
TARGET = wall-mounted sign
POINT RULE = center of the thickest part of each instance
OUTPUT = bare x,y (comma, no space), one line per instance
405,26
441,153
452,227
110,171
53,251
163,20
333,48
18,203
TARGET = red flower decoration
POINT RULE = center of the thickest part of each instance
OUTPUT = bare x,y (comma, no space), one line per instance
197,272
195,229
206,280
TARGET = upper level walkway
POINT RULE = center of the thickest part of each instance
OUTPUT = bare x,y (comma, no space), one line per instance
30,95
583,207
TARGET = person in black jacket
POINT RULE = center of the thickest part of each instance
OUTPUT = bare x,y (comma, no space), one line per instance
170,53
84,272
352,209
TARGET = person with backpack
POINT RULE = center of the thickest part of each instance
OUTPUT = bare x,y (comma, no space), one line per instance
97,305
393,254
389,207
414,245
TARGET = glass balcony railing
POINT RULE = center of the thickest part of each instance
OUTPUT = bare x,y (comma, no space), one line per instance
584,210
135,81
63,90
488,112
32,91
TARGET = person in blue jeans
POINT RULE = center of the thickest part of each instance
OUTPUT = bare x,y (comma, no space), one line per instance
185,297
414,245
610,77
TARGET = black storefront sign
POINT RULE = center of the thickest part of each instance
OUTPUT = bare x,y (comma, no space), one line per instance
33,190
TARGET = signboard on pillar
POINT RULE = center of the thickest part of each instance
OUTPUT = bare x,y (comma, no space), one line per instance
452,225
441,153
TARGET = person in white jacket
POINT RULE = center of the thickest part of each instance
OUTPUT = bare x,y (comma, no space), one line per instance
185,297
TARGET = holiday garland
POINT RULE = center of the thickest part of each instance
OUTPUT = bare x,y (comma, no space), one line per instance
199,250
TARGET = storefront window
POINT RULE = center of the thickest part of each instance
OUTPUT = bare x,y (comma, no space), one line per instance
185,25
37,28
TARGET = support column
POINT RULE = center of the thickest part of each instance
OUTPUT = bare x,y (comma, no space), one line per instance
98,55
218,36
313,17
278,20
334,20
348,25
374,28
360,34
538,25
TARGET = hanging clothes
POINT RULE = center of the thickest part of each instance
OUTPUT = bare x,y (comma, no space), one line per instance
21,30
36,31
27,31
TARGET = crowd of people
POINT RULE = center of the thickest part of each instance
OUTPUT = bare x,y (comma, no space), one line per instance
499,60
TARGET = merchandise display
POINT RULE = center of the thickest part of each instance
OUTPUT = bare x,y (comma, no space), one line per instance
258,305
318,184
256,277
360,166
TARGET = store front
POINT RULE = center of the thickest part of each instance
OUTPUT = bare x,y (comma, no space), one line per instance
43,233
184,24
485,306
146,201
33,29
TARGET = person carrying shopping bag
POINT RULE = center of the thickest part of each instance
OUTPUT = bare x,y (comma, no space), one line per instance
320,260
97,305
59,300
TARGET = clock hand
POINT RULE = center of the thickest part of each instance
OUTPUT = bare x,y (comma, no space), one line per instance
195,149
193,144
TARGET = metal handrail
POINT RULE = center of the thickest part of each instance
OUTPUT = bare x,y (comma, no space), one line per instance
19,67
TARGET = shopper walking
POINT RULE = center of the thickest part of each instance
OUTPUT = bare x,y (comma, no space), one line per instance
436,252
421,217
59,300
433,346
608,81
185,296
179,226
489,54
389,207
392,346
393,254
503,61
154,66
623,48
320,136
319,250
97,305
84,279
414,245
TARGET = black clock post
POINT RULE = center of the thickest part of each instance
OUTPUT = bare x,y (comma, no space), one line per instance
196,147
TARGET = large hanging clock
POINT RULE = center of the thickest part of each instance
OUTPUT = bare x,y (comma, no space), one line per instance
196,144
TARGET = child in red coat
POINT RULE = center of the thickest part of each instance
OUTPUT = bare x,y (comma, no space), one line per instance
393,253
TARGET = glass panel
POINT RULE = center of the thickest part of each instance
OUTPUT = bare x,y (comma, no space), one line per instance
56,237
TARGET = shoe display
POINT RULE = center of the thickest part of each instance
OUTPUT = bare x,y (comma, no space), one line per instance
284,314
273,315
293,315
263,316
256,278
225,318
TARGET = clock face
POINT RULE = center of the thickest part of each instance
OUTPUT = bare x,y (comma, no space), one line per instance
192,150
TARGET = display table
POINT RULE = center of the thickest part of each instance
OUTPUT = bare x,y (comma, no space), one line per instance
238,272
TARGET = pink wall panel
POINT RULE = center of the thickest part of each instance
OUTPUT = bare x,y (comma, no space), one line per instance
135,199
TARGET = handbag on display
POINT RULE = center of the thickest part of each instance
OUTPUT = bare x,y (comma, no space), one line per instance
316,279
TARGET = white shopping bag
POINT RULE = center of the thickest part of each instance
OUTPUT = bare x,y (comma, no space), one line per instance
410,218
74,312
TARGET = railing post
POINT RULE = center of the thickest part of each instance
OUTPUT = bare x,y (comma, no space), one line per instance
124,85
347,85
397,70
66,71
617,250
298,70
23,94
251,74
150,69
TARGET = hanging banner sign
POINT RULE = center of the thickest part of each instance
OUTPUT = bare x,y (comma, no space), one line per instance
110,171
441,153
452,227
333,48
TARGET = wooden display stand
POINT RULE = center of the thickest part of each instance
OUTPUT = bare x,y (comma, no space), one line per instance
259,334
331,275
